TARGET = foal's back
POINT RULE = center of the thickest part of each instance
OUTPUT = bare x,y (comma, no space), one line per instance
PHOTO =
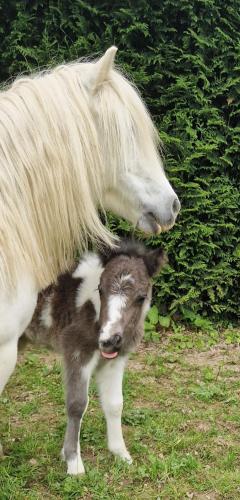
73,301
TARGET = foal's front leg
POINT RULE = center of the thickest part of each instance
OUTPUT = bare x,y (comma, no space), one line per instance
109,379
76,401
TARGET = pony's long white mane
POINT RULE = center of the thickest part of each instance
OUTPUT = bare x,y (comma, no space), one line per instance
52,172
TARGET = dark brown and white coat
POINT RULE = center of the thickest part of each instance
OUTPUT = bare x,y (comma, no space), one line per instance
94,317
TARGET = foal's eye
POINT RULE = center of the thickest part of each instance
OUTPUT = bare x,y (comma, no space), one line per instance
100,290
140,299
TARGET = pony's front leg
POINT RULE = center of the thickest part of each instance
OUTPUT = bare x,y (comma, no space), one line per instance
16,310
109,379
76,401
8,358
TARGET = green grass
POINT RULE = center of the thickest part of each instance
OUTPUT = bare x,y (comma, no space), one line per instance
181,423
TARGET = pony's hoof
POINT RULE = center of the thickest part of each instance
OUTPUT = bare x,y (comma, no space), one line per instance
1,451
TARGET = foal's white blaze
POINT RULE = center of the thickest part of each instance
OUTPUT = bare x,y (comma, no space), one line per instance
116,304
90,270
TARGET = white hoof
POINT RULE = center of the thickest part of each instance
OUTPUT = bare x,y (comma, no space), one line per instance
75,466
1,451
123,454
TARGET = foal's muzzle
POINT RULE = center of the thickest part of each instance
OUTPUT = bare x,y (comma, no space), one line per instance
110,347
114,342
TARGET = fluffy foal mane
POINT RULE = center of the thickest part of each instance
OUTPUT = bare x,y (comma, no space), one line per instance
52,174
136,249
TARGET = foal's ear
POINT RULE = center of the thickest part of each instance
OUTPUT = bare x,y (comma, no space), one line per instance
154,261
102,68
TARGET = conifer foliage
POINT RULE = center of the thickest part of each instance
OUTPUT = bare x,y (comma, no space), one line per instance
185,58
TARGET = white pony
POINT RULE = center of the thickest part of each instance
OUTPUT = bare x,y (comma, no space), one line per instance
72,141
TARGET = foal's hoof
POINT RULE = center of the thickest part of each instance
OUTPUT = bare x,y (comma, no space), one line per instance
123,455
75,466
1,451
126,457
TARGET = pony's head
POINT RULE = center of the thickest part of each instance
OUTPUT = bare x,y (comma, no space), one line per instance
136,186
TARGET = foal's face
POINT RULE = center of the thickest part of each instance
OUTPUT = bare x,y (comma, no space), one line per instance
125,292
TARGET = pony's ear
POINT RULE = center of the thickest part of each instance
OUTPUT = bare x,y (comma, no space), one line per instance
154,261
102,68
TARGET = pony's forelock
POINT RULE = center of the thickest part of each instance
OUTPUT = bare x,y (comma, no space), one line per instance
128,134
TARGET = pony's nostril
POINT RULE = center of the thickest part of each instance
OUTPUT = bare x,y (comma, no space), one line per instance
176,206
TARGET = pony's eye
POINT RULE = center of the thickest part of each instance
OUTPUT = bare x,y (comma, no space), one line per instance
100,290
140,299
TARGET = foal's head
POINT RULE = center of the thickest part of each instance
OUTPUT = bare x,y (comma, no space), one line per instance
125,291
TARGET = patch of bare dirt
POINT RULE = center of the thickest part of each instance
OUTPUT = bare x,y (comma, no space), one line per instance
146,404
224,442
211,495
202,426
47,357
136,364
221,354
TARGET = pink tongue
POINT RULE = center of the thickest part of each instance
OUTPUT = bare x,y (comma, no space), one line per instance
109,355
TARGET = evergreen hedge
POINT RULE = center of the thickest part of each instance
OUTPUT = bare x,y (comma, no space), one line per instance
185,58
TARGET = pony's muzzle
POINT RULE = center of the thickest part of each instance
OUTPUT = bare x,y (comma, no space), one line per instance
154,222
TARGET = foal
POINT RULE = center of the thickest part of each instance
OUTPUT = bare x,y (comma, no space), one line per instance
95,317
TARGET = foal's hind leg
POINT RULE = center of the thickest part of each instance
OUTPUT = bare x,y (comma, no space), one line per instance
16,311
109,378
